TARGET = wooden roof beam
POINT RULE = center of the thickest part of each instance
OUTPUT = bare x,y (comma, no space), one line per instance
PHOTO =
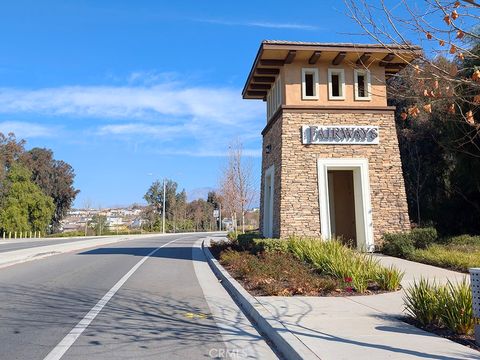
290,57
362,60
267,71
260,86
272,62
339,58
260,94
395,66
264,79
314,58
389,57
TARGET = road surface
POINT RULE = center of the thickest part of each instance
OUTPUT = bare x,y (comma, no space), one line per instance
137,299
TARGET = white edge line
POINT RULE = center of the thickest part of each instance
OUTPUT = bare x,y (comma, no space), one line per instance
63,346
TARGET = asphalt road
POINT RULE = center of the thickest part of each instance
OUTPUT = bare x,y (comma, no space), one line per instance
156,308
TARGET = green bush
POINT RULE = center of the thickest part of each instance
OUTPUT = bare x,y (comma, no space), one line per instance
465,240
398,244
433,305
232,235
269,245
447,256
423,237
422,302
456,310
245,241
334,259
389,278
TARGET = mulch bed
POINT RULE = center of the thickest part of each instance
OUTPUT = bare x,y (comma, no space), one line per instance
279,274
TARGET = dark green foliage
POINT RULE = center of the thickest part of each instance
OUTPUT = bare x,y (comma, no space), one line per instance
23,206
423,237
398,244
180,215
54,177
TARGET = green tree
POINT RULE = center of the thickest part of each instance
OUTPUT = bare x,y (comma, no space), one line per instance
55,178
99,224
24,207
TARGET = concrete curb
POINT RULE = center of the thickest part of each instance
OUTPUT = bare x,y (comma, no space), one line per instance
40,252
285,342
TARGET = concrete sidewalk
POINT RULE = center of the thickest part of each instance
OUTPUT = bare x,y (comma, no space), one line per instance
366,327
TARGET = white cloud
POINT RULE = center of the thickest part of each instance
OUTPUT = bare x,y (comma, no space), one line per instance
262,24
168,117
222,105
25,129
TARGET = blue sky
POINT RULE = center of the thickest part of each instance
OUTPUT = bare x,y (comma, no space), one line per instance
128,91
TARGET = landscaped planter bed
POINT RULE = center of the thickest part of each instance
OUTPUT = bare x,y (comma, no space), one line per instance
272,267
445,310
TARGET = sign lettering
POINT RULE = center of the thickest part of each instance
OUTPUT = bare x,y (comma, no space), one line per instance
338,134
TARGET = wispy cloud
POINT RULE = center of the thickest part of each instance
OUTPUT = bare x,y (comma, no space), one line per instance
165,117
25,129
222,105
261,24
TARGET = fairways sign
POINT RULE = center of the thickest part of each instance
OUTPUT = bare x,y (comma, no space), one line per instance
348,135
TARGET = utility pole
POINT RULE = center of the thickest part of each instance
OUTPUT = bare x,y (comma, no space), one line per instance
163,209
220,215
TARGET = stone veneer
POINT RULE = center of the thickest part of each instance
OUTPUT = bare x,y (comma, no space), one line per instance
296,203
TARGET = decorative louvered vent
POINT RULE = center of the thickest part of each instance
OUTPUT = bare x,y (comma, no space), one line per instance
475,283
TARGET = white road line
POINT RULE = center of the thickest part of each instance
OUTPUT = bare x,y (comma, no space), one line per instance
62,347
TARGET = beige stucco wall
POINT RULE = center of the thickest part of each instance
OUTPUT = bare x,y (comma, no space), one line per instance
296,205
292,81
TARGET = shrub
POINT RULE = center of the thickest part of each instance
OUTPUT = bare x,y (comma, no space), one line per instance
245,241
232,235
389,278
269,245
447,256
423,237
335,259
464,240
433,305
274,273
422,303
456,310
398,244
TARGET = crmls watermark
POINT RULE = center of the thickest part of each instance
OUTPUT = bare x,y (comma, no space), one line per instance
224,353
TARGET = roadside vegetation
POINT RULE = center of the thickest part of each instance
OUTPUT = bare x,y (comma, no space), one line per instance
443,309
36,190
457,253
303,266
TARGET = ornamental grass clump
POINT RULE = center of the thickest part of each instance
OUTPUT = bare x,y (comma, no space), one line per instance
422,302
441,306
335,259
456,311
